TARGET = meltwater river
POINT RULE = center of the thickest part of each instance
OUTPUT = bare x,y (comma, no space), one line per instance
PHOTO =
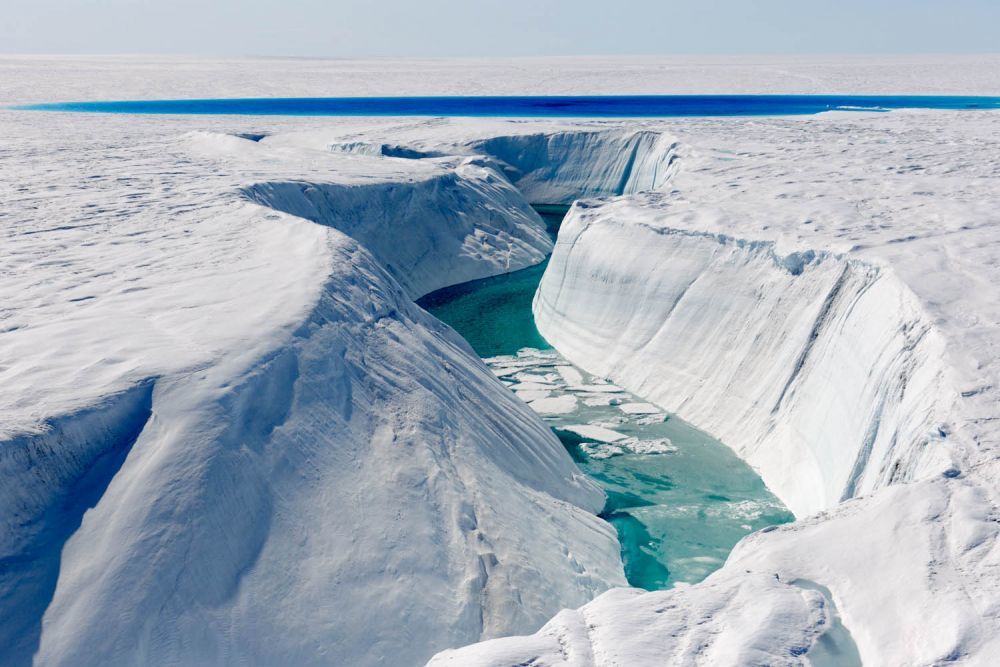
679,499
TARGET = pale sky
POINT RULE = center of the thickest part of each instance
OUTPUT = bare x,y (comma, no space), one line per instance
430,28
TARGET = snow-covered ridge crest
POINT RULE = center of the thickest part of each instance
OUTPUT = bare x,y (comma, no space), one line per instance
373,424
312,436
459,225
821,370
549,162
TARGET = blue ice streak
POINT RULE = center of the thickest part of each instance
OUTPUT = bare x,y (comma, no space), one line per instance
607,106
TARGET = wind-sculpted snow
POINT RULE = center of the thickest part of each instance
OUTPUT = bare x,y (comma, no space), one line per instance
454,227
321,472
367,466
752,620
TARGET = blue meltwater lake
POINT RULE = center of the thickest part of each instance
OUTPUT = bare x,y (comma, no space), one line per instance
679,499
580,106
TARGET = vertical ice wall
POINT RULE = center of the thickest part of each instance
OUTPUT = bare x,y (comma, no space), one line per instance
562,166
821,371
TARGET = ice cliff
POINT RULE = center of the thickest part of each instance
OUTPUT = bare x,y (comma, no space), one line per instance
560,167
229,436
820,370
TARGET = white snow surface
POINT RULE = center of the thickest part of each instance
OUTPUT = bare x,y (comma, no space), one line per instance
34,78
227,435
225,425
752,620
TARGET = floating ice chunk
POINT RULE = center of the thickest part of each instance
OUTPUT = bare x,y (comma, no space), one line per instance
595,401
598,433
531,386
533,377
555,405
532,395
507,365
501,359
651,419
596,388
609,422
599,451
608,399
533,353
655,446
638,408
570,374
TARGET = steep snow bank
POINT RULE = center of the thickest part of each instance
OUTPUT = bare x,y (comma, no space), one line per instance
50,479
823,372
453,227
314,442
368,463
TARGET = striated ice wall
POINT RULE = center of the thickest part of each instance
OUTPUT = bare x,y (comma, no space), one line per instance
561,166
821,371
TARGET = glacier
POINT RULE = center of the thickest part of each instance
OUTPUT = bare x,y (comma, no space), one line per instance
229,436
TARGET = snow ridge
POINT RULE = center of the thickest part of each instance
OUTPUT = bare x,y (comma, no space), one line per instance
251,480
359,452
456,226
561,167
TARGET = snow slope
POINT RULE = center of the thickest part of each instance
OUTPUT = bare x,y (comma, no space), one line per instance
752,620
225,425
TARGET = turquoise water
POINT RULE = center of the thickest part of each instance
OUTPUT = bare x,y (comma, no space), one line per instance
678,511
494,314
593,106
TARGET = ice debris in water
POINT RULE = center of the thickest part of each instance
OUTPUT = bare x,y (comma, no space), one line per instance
589,407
